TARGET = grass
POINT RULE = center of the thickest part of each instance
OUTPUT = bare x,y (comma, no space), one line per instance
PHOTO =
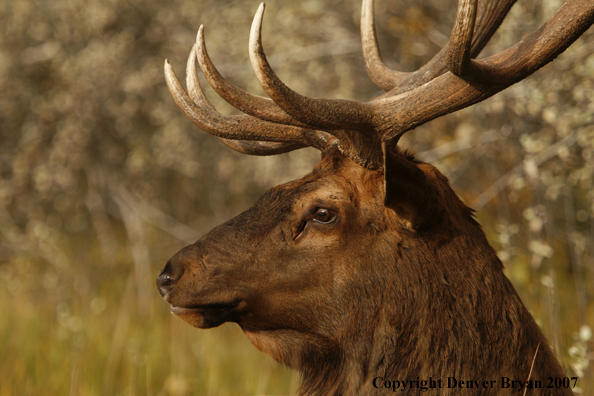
99,329
106,338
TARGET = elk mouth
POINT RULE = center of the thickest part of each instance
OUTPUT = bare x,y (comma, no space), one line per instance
210,315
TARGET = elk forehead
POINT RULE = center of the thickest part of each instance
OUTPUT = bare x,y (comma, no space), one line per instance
331,193
355,180
335,180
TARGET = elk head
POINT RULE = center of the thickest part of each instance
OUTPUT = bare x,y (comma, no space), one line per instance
370,266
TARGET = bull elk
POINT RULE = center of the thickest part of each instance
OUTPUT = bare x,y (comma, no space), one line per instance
369,272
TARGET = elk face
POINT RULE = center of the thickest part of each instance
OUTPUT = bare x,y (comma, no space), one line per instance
283,263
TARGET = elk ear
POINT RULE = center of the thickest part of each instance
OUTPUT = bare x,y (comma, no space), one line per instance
409,192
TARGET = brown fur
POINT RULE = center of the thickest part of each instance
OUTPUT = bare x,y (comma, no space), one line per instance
407,289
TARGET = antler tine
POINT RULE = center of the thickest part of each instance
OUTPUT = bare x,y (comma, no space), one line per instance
248,103
328,114
381,75
251,147
490,14
193,85
243,127
461,37
484,78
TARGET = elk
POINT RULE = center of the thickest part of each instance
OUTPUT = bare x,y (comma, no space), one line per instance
368,273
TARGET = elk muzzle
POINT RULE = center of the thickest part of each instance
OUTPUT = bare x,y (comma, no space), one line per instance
185,283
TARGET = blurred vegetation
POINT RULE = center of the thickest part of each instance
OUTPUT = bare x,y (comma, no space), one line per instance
102,179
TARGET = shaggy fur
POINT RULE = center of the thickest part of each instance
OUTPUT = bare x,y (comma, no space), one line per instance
401,285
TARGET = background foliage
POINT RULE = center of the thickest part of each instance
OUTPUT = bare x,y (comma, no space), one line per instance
102,179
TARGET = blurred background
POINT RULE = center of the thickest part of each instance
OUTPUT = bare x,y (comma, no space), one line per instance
102,179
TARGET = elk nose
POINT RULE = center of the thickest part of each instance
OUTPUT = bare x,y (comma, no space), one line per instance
168,277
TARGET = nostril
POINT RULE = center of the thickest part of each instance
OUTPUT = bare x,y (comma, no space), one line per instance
165,272
164,280
168,277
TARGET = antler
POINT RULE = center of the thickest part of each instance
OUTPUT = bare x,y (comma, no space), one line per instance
489,16
452,80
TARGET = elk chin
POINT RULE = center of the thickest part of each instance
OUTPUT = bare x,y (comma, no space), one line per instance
209,315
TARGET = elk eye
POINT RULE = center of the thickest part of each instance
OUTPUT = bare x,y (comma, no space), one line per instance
323,215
